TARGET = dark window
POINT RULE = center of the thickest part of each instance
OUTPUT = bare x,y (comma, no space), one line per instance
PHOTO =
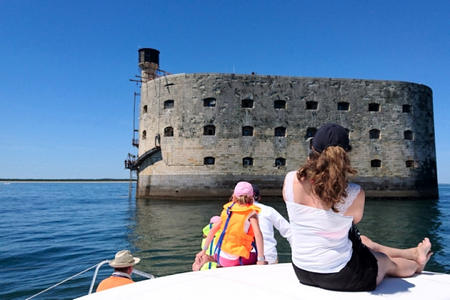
145,109
279,104
144,135
343,105
406,108
247,161
209,160
280,131
374,107
209,102
168,104
247,131
209,130
375,163
408,135
310,132
311,105
247,103
168,131
410,164
280,162
374,134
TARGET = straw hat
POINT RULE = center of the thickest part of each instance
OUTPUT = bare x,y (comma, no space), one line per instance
124,259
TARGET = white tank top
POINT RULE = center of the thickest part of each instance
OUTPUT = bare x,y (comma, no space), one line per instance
319,237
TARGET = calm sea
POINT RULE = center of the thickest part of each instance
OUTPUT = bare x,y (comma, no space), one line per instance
50,231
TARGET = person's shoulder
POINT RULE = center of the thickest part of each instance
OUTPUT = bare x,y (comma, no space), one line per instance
267,209
291,173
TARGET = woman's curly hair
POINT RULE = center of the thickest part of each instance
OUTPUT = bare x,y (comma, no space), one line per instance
328,173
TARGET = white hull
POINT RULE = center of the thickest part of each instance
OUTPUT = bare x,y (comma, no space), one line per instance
269,282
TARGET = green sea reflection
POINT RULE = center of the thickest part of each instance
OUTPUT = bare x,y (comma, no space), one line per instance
168,233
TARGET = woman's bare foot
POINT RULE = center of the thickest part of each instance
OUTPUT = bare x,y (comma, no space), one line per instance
422,250
423,254
422,267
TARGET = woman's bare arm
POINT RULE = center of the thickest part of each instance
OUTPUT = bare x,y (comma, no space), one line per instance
356,210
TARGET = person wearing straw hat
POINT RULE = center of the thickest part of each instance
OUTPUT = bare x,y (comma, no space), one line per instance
122,263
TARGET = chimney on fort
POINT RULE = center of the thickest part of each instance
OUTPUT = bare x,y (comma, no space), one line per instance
148,62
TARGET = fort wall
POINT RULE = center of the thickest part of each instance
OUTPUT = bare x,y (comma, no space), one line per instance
212,130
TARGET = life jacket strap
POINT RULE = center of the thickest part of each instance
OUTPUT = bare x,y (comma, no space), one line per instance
219,242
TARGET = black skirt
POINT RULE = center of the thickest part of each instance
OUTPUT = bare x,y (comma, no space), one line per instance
359,274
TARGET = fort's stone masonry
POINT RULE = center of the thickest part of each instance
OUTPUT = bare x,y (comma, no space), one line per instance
178,170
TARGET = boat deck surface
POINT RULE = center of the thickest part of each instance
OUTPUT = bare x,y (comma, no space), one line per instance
269,282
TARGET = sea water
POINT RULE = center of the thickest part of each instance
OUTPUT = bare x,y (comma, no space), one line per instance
51,231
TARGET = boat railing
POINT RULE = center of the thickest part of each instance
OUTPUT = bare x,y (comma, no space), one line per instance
94,277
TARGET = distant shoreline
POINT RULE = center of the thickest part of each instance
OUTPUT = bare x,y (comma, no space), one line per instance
65,180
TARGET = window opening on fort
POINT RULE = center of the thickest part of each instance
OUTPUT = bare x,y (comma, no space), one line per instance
209,102
145,108
279,162
374,107
375,163
168,131
311,105
247,131
247,103
410,163
209,130
310,132
374,134
209,160
343,106
247,161
279,104
408,135
280,131
406,108
144,135
168,104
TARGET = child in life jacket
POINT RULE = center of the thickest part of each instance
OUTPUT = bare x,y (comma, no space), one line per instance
212,246
236,231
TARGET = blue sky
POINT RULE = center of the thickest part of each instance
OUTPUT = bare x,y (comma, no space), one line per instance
66,101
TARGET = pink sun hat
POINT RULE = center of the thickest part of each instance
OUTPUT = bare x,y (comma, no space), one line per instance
243,188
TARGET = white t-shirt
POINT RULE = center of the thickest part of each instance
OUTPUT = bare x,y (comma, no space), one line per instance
269,218
320,240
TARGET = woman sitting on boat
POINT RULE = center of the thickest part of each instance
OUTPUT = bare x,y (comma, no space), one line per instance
323,207
237,229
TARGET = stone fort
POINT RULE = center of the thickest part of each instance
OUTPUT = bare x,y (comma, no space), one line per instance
199,133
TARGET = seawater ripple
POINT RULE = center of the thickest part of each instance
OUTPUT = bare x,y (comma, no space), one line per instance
51,231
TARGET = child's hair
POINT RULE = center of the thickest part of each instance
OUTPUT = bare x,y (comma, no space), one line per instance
328,172
243,200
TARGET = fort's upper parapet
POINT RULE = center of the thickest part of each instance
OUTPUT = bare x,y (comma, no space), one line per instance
201,133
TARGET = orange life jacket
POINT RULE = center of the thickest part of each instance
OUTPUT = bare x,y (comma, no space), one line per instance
113,281
235,240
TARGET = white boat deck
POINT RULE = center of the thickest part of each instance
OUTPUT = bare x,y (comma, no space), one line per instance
269,282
